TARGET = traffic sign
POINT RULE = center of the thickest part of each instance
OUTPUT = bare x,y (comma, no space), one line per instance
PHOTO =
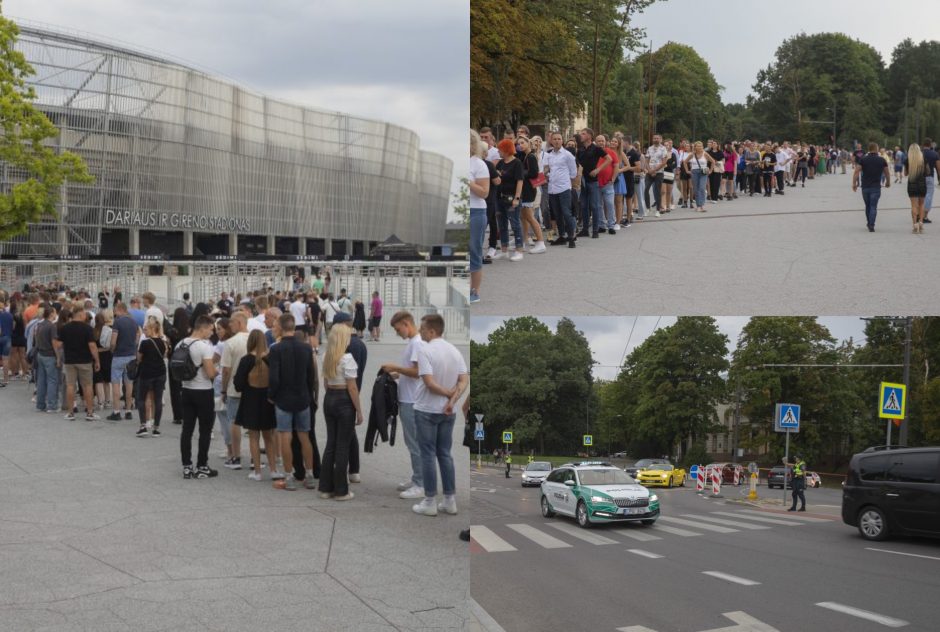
787,418
588,440
693,471
479,426
892,398
478,435
479,417
507,437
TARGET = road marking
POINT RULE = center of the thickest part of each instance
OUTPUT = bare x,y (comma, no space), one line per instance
488,490
642,553
675,531
731,578
890,622
635,628
581,534
768,520
730,523
490,542
539,537
697,525
637,534
745,623
926,557
793,515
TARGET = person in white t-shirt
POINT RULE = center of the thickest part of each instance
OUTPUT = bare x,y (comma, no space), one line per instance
258,322
345,303
298,310
479,188
406,372
198,400
151,308
443,379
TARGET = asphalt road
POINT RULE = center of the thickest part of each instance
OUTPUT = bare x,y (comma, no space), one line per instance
770,569
806,252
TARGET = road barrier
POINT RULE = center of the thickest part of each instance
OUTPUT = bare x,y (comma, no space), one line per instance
699,479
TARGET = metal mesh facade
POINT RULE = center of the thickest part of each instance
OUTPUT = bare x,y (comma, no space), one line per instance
163,138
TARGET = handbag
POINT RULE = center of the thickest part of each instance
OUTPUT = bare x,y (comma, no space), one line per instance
132,368
538,180
669,176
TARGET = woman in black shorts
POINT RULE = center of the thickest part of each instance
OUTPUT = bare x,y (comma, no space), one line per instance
915,171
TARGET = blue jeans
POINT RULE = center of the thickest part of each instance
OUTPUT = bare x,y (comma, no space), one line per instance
288,420
47,383
435,435
590,205
407,414
699,182
560,204
477,235
509,214
5,346
928,199
607,195
871,195
640,202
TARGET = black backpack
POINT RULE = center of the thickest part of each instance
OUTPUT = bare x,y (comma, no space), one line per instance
182,367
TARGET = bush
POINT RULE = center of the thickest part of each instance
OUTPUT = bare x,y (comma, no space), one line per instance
697,455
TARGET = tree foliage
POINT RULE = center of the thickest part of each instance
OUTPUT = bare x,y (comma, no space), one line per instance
23,144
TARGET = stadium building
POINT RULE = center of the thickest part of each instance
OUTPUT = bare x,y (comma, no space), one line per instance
186,164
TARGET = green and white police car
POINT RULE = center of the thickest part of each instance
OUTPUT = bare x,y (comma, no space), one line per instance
595,492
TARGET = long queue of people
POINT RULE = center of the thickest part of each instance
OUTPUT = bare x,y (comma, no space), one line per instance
253,365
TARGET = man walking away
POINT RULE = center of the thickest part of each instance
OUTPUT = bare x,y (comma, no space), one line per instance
81,360
871,167
799,483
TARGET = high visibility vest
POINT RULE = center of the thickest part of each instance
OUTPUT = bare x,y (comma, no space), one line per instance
530,458
798,469
508,459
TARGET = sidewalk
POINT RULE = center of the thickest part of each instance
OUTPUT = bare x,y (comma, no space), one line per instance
99,531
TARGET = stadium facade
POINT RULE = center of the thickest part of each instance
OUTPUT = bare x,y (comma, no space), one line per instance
186,163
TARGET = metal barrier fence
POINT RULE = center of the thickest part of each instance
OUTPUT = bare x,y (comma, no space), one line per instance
400,284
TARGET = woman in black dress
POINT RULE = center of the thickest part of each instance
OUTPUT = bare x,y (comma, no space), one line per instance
17,360
151,377
179,330
102,378
359,320
255,411
916,174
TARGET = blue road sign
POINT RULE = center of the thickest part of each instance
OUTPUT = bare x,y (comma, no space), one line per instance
788,417
693,471
478,435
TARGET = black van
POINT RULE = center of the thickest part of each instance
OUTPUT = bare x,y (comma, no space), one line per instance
893,491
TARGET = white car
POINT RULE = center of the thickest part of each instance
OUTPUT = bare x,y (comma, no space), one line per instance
535,472
594,492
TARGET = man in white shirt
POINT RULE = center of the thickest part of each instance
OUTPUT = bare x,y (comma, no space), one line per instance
407,375
298,310
345,303
261,304
657,155
783,164
198,400
234,350
492,154
443,379
562,171
151,309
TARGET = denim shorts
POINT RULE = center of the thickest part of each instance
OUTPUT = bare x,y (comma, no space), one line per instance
5,346
118,369
288,420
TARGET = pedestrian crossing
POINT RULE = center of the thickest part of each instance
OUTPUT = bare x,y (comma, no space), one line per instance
562,533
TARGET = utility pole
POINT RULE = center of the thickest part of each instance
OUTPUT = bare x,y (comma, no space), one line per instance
908,325
737,421
835,139
905,121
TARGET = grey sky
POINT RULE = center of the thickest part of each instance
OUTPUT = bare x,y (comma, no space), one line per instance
611,340
739,37
405,62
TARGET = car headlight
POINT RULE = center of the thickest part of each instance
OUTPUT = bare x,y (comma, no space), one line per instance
663,476
653,498
601,499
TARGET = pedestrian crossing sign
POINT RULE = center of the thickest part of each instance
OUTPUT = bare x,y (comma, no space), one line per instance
507,437
892,400
787,418
478,435
588,440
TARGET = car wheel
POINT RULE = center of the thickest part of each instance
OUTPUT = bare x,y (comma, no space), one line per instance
682,484
547,509
872,524
647,523
582,514
669,482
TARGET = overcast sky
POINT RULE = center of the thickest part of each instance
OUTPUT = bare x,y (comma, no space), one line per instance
611,339
740,37
405,62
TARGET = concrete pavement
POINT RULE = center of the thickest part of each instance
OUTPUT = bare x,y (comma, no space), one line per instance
99,531
806,252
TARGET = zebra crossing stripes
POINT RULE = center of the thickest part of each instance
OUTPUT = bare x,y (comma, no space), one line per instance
787,523
730,523
580,534
698,524
539,537
685,533
790,516
490,542
641,535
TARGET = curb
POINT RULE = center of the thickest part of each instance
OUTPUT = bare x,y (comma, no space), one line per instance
482,618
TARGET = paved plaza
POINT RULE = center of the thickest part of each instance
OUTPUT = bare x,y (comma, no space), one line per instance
806,252
100,532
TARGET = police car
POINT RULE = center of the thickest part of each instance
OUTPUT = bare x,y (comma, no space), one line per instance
596,492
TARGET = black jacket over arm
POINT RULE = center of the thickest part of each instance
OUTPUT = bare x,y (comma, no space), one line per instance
384,411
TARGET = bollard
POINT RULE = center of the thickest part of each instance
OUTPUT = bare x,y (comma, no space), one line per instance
737,477
716,483
752,494
700,480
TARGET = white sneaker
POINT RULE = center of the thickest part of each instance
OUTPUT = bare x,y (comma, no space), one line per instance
499,254
516,256
538,248
277,475
657,214
491,253
404,487
355,478
448,505
616,226
254,476
713,201
412,493
426,507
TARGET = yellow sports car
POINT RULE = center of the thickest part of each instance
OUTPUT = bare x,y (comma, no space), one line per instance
661,475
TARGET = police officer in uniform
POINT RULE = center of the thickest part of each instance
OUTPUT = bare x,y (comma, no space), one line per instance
508,464
799,483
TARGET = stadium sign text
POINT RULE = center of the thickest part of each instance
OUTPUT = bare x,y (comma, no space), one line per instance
158,220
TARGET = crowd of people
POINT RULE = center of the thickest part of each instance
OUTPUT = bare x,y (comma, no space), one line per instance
525,192
249,363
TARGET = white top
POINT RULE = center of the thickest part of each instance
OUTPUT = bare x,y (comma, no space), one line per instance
200,351
656,155
298,310
235,349
346,304
348,370
492,154
478,170
442,360
698,164
562,169
329,311
257,322
408,386
156,312
105,337
783,159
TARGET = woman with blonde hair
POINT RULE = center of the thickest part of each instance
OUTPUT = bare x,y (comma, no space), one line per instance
699,165
530,169
915,171
479,185
342,412
255,412
102,379
151,377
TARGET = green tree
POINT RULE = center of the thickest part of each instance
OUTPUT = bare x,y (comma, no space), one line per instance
23,144
461,206
914,70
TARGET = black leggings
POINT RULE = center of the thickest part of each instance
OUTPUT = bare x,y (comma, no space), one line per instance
779,175
768,182
144,386
340,415
800,174
714,184
176,401
197,404
491,222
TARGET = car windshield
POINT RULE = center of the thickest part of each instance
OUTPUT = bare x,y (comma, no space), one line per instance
606,476
665,467
643,463
539,466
